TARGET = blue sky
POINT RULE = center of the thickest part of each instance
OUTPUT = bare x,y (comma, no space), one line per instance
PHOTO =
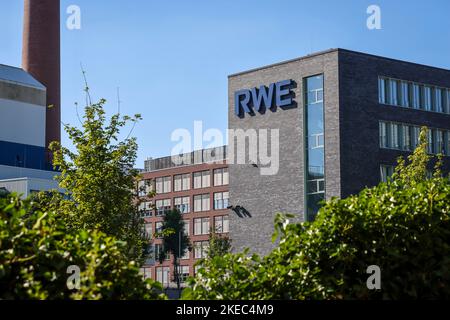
171,58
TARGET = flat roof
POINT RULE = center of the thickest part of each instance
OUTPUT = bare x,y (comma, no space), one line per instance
19,76
327,52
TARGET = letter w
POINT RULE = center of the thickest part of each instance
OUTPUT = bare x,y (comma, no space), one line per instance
263,94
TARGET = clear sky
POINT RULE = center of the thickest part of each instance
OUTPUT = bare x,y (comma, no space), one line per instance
171,59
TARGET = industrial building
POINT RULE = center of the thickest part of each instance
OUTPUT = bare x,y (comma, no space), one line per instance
30,103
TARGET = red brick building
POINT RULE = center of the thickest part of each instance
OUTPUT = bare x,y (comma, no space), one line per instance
198,188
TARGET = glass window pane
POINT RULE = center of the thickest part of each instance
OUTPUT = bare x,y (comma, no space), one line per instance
314,115
381,90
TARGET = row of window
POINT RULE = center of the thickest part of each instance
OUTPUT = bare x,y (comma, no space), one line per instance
405,137
163,274
201,204
413,95
386,171
201,226
200,250
182,182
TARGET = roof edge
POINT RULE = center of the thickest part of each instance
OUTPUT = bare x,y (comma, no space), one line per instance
312,55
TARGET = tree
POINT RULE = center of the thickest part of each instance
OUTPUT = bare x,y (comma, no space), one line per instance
39,258
175,241
402,226
219,244
99,179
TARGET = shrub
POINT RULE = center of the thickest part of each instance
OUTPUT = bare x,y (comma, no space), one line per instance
403,229
36,248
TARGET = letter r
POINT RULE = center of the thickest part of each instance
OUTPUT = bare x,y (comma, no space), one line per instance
241,100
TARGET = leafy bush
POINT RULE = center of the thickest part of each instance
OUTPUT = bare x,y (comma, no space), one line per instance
402,226
36,248
404,231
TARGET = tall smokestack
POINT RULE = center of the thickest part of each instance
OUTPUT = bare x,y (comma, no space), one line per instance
41,57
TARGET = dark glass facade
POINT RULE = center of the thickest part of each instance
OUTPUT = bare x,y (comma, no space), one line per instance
315,144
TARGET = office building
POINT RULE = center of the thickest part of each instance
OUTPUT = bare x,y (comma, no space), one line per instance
342,118
198,188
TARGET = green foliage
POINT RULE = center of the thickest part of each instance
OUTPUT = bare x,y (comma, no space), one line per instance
229,277
36,249
99,179
219,245
416,170
175,241
402,226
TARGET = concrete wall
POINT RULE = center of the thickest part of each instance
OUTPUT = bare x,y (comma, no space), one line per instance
22,123
263,196
9,172
26,186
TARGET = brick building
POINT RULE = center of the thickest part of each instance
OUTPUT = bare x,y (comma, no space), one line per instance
198,188
343,118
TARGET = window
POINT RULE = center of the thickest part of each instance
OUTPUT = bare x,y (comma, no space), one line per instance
317,141
430,147
149,230
221,224
201,249
439,138
144,188
394,139
182,204
382,90
202,179
159,250
158,227
406,137
314,135
163,185
404,94
221,177
145,208
182,182
201,226
446,142
383,135
162,275
393,92
183,273
221,200
427,98
186,255
201,203
162,207
186,227
416,96
386,171
438,97
146,273
446,101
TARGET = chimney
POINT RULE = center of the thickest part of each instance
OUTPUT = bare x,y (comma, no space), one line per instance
41,57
